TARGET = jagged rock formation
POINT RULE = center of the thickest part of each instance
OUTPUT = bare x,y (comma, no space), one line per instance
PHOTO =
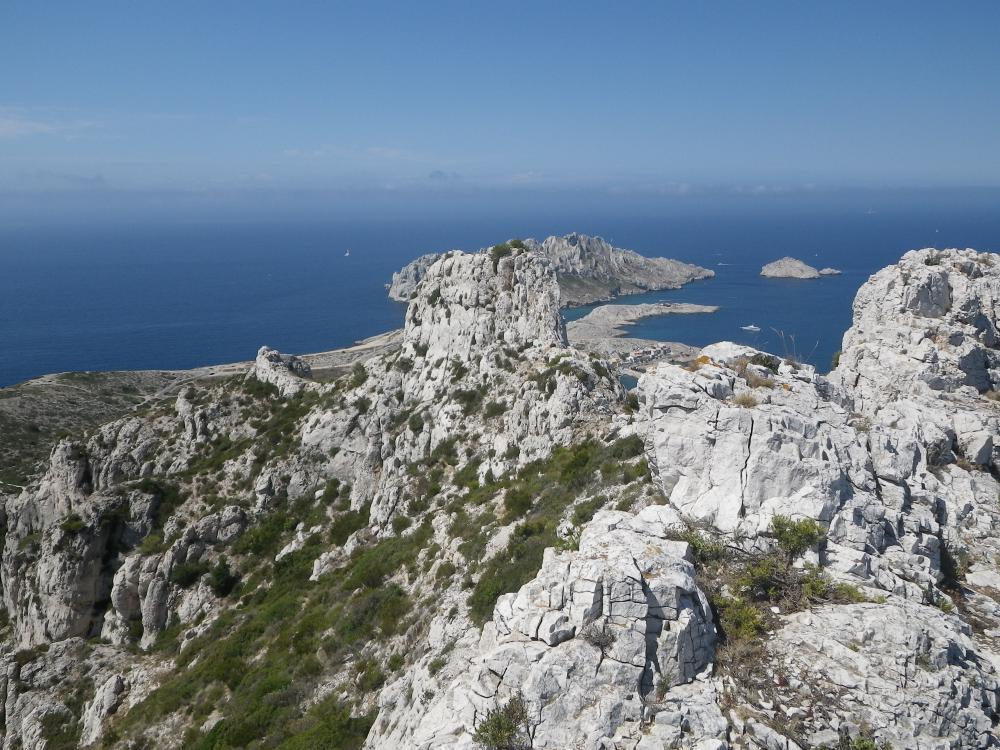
285,372
789,268
589,269
595,634
476,518
403,286
892,454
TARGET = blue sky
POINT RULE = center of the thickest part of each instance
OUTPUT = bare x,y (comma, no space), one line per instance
659,97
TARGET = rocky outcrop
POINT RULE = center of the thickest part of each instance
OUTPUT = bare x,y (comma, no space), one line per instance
404,283
589,270
923,328
598,637
907,669
482,328
891,454
789,268
283,371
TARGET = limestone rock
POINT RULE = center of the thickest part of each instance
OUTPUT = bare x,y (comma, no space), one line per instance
404,281
584,644
284,371
589,269
789,268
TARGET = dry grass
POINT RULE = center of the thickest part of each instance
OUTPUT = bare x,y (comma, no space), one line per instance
746,400
755,380
993,395
697,363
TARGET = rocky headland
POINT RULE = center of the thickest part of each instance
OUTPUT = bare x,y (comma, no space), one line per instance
588,269
473,537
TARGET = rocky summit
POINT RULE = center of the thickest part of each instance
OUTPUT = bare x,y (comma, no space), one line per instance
589,269
474,537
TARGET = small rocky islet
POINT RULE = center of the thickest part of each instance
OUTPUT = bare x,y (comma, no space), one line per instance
470,535
793,268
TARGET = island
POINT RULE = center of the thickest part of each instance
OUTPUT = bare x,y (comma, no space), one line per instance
793,268
588,270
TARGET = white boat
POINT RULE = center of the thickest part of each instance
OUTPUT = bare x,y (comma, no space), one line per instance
347,254
751,327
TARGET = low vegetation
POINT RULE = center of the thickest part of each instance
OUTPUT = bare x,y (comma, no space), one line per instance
536,500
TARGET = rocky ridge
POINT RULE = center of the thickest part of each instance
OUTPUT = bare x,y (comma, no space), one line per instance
478,540
589,270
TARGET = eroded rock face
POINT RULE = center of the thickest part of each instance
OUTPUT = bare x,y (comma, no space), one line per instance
893,454
907,669
284,371
596,634
404,283
925,327
482,329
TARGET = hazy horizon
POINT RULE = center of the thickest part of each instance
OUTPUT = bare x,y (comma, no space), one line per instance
186,109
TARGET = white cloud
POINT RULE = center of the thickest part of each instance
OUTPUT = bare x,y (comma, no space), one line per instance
16,122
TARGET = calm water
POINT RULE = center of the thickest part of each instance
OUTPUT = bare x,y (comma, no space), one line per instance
145,297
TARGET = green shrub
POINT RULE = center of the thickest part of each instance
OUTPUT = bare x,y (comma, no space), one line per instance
362,404
415,422
370,676
152,544
505,727
187,574
445,570
583,512
470,400
331,492
739,620
221,578
629,447
72,524
167,498
403,364
497,252
358,375
436,665
494,409
769,361
795,537
401,524
512,568
347,523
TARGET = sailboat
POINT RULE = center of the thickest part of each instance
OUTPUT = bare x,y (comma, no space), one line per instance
347,254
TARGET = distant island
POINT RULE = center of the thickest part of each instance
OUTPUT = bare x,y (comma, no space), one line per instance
793,268
588,270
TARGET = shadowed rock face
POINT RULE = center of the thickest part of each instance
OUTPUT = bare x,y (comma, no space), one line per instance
589,270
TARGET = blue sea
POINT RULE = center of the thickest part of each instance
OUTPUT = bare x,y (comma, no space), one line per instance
181,295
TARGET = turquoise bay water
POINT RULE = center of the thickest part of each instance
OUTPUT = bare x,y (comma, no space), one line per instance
180,296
